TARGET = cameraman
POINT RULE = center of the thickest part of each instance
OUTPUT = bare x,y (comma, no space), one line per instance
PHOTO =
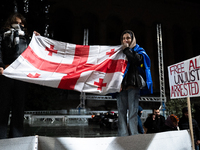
155,122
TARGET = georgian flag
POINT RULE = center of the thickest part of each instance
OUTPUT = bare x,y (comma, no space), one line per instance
91,69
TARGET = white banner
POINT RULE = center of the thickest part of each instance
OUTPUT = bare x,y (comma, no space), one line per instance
184,78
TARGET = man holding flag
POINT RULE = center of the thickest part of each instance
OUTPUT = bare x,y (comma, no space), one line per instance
14,40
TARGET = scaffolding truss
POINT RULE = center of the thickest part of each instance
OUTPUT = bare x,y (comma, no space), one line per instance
146,99
161,67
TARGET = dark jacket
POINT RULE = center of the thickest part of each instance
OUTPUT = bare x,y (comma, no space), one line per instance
8,51
143,69
184,125
154,126
132,76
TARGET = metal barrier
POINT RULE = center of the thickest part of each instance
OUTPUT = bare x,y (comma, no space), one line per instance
47,112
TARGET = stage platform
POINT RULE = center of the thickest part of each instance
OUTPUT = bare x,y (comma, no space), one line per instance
173,140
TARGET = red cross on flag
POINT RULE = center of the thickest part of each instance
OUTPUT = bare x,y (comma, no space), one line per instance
91,69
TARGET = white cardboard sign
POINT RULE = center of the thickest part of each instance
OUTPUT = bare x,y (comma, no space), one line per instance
184,78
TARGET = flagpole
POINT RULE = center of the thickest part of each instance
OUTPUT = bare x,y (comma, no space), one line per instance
190,122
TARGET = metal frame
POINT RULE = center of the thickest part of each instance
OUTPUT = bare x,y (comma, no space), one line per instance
146,99
83,95
161,67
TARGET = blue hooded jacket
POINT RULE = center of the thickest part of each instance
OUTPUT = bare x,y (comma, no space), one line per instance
143,70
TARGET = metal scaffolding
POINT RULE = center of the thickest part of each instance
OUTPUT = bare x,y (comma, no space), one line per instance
99,97
83,95
161,66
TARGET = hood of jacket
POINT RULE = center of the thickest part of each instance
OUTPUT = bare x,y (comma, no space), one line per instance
133,39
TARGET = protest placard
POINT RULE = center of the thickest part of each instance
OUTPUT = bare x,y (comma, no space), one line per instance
184,78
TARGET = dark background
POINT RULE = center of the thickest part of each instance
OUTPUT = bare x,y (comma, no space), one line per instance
106,20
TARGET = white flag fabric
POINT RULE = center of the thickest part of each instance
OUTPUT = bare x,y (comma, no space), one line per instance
91,69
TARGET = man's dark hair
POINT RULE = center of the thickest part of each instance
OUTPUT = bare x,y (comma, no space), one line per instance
12,19
155,108
184,110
